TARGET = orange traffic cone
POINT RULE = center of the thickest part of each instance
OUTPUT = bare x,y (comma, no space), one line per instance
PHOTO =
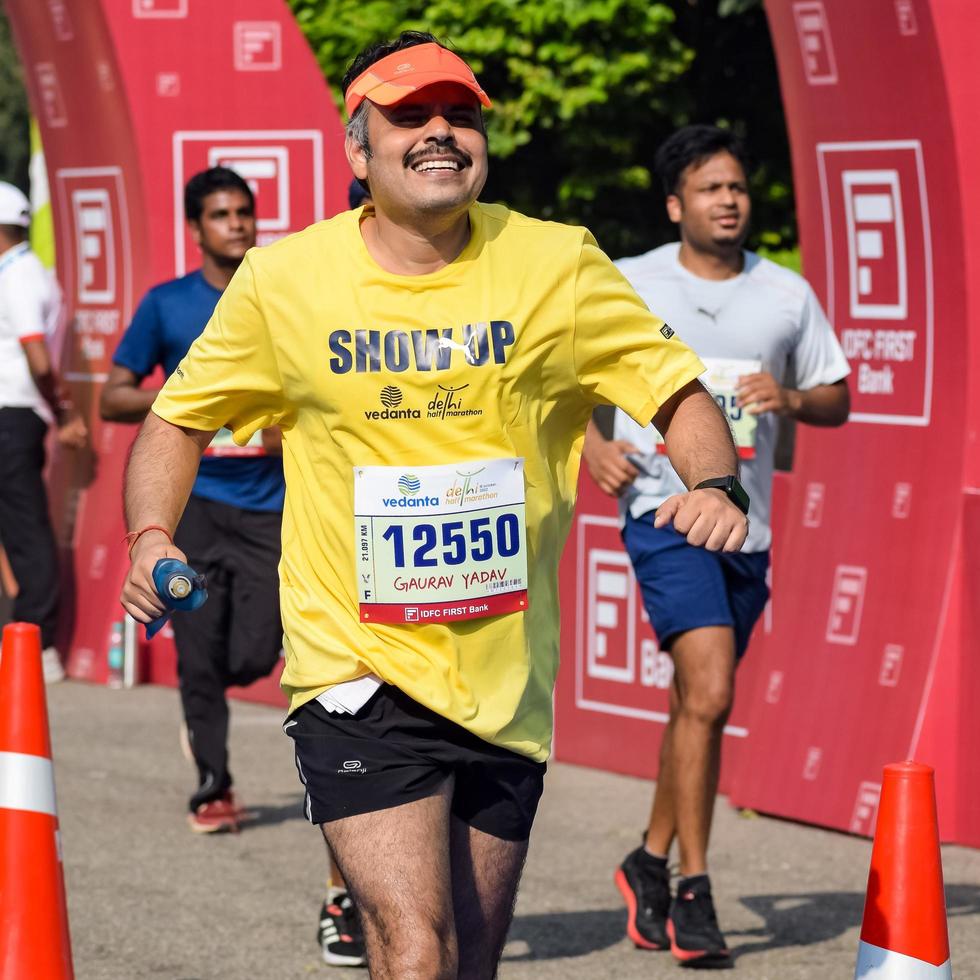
904,935
34,941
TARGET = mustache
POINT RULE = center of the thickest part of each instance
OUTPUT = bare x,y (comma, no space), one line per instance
441,150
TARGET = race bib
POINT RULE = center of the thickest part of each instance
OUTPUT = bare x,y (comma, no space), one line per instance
224,445
721,379
440,543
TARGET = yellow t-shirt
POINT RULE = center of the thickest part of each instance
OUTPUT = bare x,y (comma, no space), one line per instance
312,335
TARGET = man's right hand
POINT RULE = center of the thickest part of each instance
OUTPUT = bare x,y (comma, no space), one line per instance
73,432
139,595
607,462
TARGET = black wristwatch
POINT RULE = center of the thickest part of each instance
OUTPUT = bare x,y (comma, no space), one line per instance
732,489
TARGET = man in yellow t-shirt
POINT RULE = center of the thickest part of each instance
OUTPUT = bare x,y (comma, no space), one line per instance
433,363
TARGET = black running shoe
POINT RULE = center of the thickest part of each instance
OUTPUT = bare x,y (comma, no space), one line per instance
339,933
695,939
645,884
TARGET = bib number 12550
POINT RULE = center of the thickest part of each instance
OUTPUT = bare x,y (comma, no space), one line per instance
440,543
479,539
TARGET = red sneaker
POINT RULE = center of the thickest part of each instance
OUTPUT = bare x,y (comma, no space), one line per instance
222,815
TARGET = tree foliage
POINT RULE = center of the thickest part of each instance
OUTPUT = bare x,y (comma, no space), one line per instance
585,90
15,149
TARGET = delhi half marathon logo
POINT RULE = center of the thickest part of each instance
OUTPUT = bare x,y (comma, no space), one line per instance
448,404
465,490
391,398
409,484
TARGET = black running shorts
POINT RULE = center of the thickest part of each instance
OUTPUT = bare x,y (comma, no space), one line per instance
394,751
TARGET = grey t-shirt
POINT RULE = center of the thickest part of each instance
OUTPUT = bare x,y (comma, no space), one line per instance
766,314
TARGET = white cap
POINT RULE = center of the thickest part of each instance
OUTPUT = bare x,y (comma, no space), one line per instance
15,209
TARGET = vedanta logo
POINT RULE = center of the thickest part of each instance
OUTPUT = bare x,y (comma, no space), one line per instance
391,397
409,484
410,501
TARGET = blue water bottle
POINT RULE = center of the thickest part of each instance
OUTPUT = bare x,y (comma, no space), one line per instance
180,588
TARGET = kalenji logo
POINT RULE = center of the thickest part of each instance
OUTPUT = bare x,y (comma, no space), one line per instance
351,767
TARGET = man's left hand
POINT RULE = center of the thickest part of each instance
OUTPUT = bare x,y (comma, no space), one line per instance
758,393
707,518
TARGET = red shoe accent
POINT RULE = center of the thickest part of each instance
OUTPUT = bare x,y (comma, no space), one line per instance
687,955
216,816
630,899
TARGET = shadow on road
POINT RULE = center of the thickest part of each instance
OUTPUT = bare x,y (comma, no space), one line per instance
267,815
788,920
563,934
815,917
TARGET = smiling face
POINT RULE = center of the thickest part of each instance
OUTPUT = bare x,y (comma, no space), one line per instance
426,156
712,204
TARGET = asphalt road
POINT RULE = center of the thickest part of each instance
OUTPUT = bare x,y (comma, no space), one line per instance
148,899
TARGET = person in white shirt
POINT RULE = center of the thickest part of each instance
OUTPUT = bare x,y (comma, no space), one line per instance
31,398
749,320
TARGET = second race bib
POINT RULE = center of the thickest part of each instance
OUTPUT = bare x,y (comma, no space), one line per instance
440,543
721,379
223,444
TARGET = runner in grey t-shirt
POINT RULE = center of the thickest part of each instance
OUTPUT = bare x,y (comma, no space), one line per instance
748,320
766,318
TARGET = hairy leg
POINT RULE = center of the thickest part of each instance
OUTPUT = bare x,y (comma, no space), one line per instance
396,865
485,873
704,675
335,877
663,826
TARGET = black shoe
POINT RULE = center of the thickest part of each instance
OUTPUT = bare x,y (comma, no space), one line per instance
645,884
695,939
339,933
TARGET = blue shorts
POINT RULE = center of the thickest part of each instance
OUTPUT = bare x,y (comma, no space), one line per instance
685,588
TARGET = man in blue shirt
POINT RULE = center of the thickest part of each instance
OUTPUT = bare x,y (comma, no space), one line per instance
230,530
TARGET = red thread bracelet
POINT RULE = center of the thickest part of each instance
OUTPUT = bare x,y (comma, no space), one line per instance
134,536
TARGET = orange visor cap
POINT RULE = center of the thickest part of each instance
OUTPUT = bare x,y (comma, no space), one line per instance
397,75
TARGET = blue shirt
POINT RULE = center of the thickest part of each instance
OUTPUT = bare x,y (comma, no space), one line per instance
166,323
